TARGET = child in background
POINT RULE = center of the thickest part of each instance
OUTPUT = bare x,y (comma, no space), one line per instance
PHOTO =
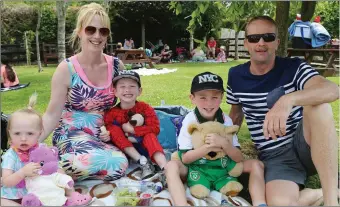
206,94
221,57
127,87
24,128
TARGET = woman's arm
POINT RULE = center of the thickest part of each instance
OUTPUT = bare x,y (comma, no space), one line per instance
59,87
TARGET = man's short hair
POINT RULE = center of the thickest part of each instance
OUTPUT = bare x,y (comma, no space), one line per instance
263,18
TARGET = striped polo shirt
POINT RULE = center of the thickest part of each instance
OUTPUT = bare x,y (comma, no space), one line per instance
251,91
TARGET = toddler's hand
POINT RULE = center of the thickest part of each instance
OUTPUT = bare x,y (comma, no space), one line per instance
31,169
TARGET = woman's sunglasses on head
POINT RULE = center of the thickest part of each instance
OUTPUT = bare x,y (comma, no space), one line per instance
267,37
90,30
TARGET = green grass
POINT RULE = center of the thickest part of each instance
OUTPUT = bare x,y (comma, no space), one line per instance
173,88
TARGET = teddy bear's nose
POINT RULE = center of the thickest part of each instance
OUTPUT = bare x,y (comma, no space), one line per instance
42,163
212,154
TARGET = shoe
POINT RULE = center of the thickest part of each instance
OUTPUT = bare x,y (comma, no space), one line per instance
162,179
148,170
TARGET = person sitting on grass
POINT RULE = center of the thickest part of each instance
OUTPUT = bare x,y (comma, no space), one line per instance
221,57
198,54
166,54
127,87
9,77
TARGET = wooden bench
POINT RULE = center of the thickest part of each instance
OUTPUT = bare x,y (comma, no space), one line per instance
133,56
49,51
327,66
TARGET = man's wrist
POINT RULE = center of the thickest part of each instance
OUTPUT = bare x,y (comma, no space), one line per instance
289,99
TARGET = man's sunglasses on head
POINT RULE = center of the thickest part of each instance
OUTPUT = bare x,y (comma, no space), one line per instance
267,37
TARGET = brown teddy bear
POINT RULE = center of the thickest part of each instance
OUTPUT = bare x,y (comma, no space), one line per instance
135,120
215,170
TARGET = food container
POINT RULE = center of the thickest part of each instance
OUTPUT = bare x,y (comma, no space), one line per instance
131,195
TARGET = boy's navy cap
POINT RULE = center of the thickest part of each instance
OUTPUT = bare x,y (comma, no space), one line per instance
127,74
206,81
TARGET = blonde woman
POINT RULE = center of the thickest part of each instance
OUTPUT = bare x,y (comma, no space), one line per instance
80,93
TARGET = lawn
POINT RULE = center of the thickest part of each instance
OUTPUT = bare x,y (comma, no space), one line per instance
173,88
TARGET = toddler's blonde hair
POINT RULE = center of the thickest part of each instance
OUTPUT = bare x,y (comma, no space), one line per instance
28,111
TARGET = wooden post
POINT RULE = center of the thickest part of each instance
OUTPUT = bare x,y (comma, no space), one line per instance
143,32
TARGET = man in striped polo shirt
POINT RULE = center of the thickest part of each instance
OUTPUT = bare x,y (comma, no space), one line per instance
285,103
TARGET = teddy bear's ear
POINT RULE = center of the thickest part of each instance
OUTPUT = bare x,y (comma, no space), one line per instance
231,129
55,151
192,128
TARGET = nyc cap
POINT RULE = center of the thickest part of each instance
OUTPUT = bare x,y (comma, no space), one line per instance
206,81
127,74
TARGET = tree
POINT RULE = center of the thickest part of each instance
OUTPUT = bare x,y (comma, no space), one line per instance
329,13
61,13
282,16
37,37
205,19
307,10
141,12
239,12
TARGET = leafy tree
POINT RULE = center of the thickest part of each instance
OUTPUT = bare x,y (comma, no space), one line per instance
239,13
205,18
329,13
139,13
16,19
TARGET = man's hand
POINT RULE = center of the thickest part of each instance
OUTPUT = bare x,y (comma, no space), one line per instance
128,128
276,118
31,169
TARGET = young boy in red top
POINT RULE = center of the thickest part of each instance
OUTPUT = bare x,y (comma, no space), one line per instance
127,87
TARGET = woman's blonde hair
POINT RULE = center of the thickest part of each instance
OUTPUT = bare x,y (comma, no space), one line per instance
29,110
85,16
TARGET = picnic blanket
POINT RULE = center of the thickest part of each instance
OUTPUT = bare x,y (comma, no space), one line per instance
147,72
104,192
20,86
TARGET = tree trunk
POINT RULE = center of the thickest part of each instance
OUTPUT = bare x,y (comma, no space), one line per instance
143,32
307,10
27,48
191,47
61,12
236,45
282,16
37,40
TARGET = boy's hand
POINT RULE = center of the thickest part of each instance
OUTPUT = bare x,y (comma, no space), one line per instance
128,128
209,148
31,169
215,140
104,136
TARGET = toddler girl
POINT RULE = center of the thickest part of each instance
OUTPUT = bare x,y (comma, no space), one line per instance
24,128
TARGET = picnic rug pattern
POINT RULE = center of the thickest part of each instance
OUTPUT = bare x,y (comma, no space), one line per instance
103,192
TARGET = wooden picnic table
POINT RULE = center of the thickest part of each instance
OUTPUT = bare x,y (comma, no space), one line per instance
129,56
328,66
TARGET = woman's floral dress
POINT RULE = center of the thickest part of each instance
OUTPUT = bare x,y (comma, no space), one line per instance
82,154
